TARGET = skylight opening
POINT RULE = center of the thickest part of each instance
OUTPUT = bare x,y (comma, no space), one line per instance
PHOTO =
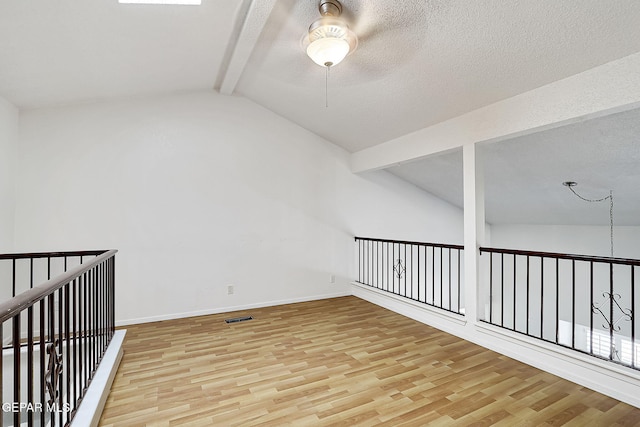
179,2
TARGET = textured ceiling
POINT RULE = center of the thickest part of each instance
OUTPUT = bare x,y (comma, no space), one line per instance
524,175
419,62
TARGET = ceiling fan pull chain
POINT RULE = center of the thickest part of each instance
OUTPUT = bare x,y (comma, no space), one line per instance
326,88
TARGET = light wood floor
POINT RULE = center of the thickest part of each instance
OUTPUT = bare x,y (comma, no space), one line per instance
341,361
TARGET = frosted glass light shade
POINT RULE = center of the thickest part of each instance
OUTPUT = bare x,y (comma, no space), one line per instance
329,40
328,51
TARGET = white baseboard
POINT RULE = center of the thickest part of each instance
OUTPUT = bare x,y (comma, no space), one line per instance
228,309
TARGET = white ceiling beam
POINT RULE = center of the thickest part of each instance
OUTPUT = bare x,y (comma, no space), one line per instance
254,22
606,89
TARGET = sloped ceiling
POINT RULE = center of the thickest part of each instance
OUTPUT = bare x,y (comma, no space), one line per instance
419,62
523,176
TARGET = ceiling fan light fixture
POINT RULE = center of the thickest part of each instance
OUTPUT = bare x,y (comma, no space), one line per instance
328,52
329,39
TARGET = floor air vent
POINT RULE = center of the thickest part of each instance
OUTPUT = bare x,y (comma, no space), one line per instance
238,319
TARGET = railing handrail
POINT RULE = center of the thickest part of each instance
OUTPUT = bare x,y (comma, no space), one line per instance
15,305
588,258
28,255
407,242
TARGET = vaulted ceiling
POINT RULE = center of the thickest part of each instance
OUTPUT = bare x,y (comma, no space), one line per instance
418,63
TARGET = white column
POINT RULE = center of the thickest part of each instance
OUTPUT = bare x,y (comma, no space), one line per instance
474,227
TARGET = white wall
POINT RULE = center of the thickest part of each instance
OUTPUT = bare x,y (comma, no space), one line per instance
571,239
8,140
199,191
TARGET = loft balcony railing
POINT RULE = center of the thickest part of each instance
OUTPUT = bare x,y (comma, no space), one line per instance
428,273
583,303
53,335
24,270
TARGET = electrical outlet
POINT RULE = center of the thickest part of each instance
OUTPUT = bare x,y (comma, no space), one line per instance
332,279
230,289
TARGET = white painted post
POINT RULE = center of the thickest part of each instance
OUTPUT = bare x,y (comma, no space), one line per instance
474,228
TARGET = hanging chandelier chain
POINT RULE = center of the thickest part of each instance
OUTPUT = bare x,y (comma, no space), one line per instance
610,198
611,219
589,200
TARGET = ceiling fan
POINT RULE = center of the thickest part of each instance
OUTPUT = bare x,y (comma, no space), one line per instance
384,34
329,39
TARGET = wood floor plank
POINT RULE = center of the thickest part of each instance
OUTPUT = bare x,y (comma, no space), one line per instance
337,362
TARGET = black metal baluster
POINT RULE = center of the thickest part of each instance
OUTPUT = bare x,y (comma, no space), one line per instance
17,380
369,264
67,330
405,270
366,262
459,254
30,361
557,300
491,287
383,265
1,370
74,330
502,290
393,263
591,307
359,260
42,354
101,308
61,350
52,340
91,333
449,251
441,280
573,303
528,302
31,275
362,260
13,279
411,284
611,342
95,330
426,271
633,318
541,297
418,282
113,295
433,276
370,272
378,265
514,292
85,330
